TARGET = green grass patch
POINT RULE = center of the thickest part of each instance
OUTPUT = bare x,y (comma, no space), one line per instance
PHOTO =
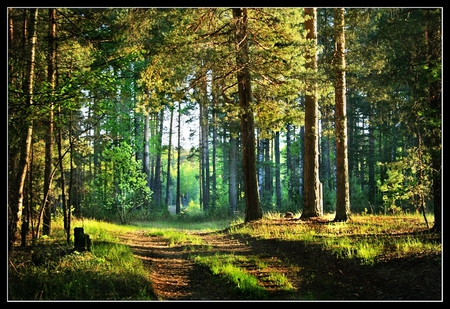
365,237
281,281
176,237
52,270
223,266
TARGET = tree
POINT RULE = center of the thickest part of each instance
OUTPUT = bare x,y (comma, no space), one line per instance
169,156
233,177
278,194
253,209
51,77
128,190
204,143
342,189
15,203
115,66
434,137
312,206
178,190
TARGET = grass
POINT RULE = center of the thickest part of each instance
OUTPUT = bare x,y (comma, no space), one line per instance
175,237
51,270
362,237
227,267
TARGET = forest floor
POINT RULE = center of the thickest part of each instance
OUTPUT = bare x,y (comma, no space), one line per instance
315,274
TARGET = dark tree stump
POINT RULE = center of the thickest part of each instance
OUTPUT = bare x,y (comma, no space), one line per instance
82,241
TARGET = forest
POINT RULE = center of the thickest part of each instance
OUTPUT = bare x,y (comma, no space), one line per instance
124,114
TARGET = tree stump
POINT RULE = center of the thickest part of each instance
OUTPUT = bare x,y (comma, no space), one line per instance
82,241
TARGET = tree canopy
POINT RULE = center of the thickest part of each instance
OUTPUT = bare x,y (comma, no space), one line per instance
117,83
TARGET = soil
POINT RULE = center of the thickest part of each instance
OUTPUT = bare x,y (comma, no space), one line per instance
315,274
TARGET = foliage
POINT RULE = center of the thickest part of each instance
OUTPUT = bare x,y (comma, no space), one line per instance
408,182
118,65
128,190
358,196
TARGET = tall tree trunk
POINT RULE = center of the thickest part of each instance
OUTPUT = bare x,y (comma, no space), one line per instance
51,79
27,212
66,209
169,158
158,147
11,51
152,153
233,182
325,164
289,164
342,188
253,209
268,179
372,185
312,206
204,145
260,156
146,159
298,167
178,195
434,140
214,152
73,197
16,201
277,171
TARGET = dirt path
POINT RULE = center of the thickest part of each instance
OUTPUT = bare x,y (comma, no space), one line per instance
314,273
174,275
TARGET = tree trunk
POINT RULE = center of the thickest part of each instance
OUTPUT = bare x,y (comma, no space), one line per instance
325,164
268,179
253,209
178,195
233,183
342,189
16,201
372,185
312,206
289,164
169,158
214,151
204,144
157,178
260,156
277,171
146,161
51,78
434,141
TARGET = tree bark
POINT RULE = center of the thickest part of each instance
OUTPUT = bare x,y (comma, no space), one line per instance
178,195
146,159
16,201
204,144
157,188
342,188
253,209
51,78
277,171
434,141
312,206
233,183
169,158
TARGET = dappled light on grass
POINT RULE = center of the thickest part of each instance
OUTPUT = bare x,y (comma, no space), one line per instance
351,239
266,259
224,267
